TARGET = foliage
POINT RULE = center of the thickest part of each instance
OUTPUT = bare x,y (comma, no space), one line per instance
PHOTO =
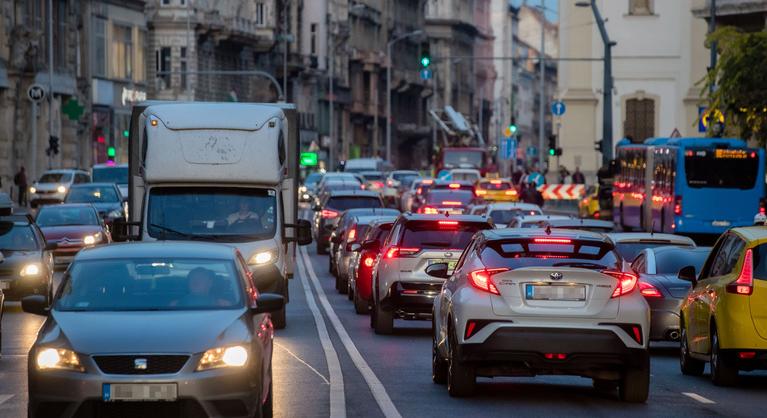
740,91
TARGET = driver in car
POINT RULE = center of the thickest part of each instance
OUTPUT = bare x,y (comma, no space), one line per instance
200,285
244,214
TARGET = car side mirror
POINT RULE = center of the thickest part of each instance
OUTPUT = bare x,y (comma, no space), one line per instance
371,245
303,232
355,247
35,304
50,246
316,207
268,302
124,231
438,270
688,274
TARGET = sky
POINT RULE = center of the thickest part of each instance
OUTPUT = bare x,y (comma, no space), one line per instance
551,7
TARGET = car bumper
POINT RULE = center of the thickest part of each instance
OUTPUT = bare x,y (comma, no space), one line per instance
220,393
48,198
758,362
511,350
411,300
18,287
664,319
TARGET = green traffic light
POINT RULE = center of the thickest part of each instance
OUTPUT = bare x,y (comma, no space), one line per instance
552,151
425,61
111,152
126,133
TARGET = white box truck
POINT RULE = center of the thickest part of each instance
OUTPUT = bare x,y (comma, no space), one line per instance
220,172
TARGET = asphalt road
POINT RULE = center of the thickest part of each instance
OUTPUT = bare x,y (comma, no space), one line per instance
328,362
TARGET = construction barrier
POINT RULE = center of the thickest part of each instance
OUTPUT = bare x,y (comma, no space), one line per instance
562,191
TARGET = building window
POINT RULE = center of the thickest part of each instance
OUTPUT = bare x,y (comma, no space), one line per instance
99,47
165,2
640,7
122,52
163,67
640,119
139,71
184,68
60,34
260,17
313,39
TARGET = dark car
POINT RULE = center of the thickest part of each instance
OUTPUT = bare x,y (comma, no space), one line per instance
170,329
341,231
659,282
363,262
327,209
26,266
71,227
105,197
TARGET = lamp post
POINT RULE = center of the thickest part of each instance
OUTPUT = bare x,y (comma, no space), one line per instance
607,87
388,87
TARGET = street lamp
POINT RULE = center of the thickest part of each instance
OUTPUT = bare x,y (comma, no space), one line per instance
607,87
388,86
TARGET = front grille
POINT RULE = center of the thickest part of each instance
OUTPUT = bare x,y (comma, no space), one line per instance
155,364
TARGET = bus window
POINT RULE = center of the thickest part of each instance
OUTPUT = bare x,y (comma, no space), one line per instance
725,168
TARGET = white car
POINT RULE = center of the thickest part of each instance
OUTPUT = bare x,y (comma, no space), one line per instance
503,212
401,287
524,302
53,185
630,244
394,182
534,221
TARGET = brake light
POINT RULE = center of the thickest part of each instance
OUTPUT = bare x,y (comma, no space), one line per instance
448,223
377,184
637,333
744,285
762,206
555,356
429,181
677,205
470,326
454,186
451,203
396,252
328,214
627,282
747,355
552,241
649,291
480,192
369,261
428,210
483,279
511,192
352,235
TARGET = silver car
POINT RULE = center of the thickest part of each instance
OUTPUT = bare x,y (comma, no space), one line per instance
161,329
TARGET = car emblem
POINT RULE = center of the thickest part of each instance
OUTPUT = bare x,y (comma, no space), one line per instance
556,276
448,254
140,364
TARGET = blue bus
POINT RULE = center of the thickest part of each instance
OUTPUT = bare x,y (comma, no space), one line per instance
688,185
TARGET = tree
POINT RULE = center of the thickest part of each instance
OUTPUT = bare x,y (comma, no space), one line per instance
740,91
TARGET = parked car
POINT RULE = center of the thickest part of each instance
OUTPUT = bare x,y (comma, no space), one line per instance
52,186
70,227
329,206
26,262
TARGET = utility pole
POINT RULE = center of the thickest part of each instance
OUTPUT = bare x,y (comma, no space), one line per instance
285,47
542,91
50,80
188,43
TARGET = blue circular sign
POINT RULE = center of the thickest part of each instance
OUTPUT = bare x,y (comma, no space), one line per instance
558,108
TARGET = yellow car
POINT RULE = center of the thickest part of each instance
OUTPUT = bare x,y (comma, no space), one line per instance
496,190
723,321
588,207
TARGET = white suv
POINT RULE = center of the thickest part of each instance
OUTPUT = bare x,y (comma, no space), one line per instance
541,301
53,185
401,287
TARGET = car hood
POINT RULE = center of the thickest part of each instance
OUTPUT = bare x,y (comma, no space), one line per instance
54,233
146,331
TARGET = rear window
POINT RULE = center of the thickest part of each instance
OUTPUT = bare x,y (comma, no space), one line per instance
437,197
342,186
372,176
760,262
495,186
440,234
670,262
55,177
721,168
342,203
504,216
630,250
380,233
520,253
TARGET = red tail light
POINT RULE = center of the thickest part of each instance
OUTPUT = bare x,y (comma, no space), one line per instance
451,203
677,205
555,356
447,223
649,291
352,235
470,326
368,261
552,241
419,190
762,206
747,355
397,252
483,279
627,282
596,214
328,214
389,183
744,285
454,186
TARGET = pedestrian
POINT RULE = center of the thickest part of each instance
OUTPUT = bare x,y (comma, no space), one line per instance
564,173
578,177
20,180
516,177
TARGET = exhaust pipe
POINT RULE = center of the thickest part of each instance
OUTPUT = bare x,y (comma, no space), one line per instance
673,335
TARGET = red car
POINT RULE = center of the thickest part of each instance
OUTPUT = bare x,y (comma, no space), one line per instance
361,279
71,227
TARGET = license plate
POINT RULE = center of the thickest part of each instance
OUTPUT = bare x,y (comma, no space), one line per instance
720,223
5,285
450,264
138,392
555,292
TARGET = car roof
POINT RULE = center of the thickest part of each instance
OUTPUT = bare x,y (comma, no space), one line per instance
154,249
371,211
506,233
462,182
370,219
563,223
623,237
512,205
24,219
752,233
68,205
110,165
354,193
534,218
442,217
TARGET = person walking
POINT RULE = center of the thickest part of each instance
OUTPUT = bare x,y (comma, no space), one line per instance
20,180
578,177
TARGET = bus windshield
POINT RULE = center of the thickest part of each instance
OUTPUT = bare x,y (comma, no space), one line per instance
721,168
463,158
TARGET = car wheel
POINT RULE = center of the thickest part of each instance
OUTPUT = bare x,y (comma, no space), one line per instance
321,249
279,319
461,377
438,364
688,365
606,386
634,385
384,321
722,373
360,305
349,291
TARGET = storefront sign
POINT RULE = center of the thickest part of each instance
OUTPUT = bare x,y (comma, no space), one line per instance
132,96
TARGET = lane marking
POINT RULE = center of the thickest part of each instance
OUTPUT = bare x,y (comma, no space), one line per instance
337,396
327,382
4,398
698,398
376,387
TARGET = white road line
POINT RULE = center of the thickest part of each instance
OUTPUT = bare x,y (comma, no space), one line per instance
337,396
376,387
327,382
5,398
698,398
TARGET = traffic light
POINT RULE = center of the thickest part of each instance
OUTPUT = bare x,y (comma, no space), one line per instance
126,133
425,59
552,145
511,130
111,153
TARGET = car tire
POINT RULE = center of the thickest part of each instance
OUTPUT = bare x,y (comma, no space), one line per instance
461,377
634,385
722,373
279,318
349,291
383,322
605,386
438,364
361,306
688,365
321,249
267,408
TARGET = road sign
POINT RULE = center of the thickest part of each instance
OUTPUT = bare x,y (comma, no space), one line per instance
36,93
712,116
532,151
508,148
308,159
558,108
426,74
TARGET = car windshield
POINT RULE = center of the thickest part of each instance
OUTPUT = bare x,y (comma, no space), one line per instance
525,252
225,214
55,178
17,236
144,284
630,250
92,194
504,216
670,262
501,185
342,203
56,215
118,175
439,197
447,234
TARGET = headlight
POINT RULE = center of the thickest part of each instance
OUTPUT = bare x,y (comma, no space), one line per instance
263,257
92,239
235,356
58,358
302,189
30,270
61,189
32,190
